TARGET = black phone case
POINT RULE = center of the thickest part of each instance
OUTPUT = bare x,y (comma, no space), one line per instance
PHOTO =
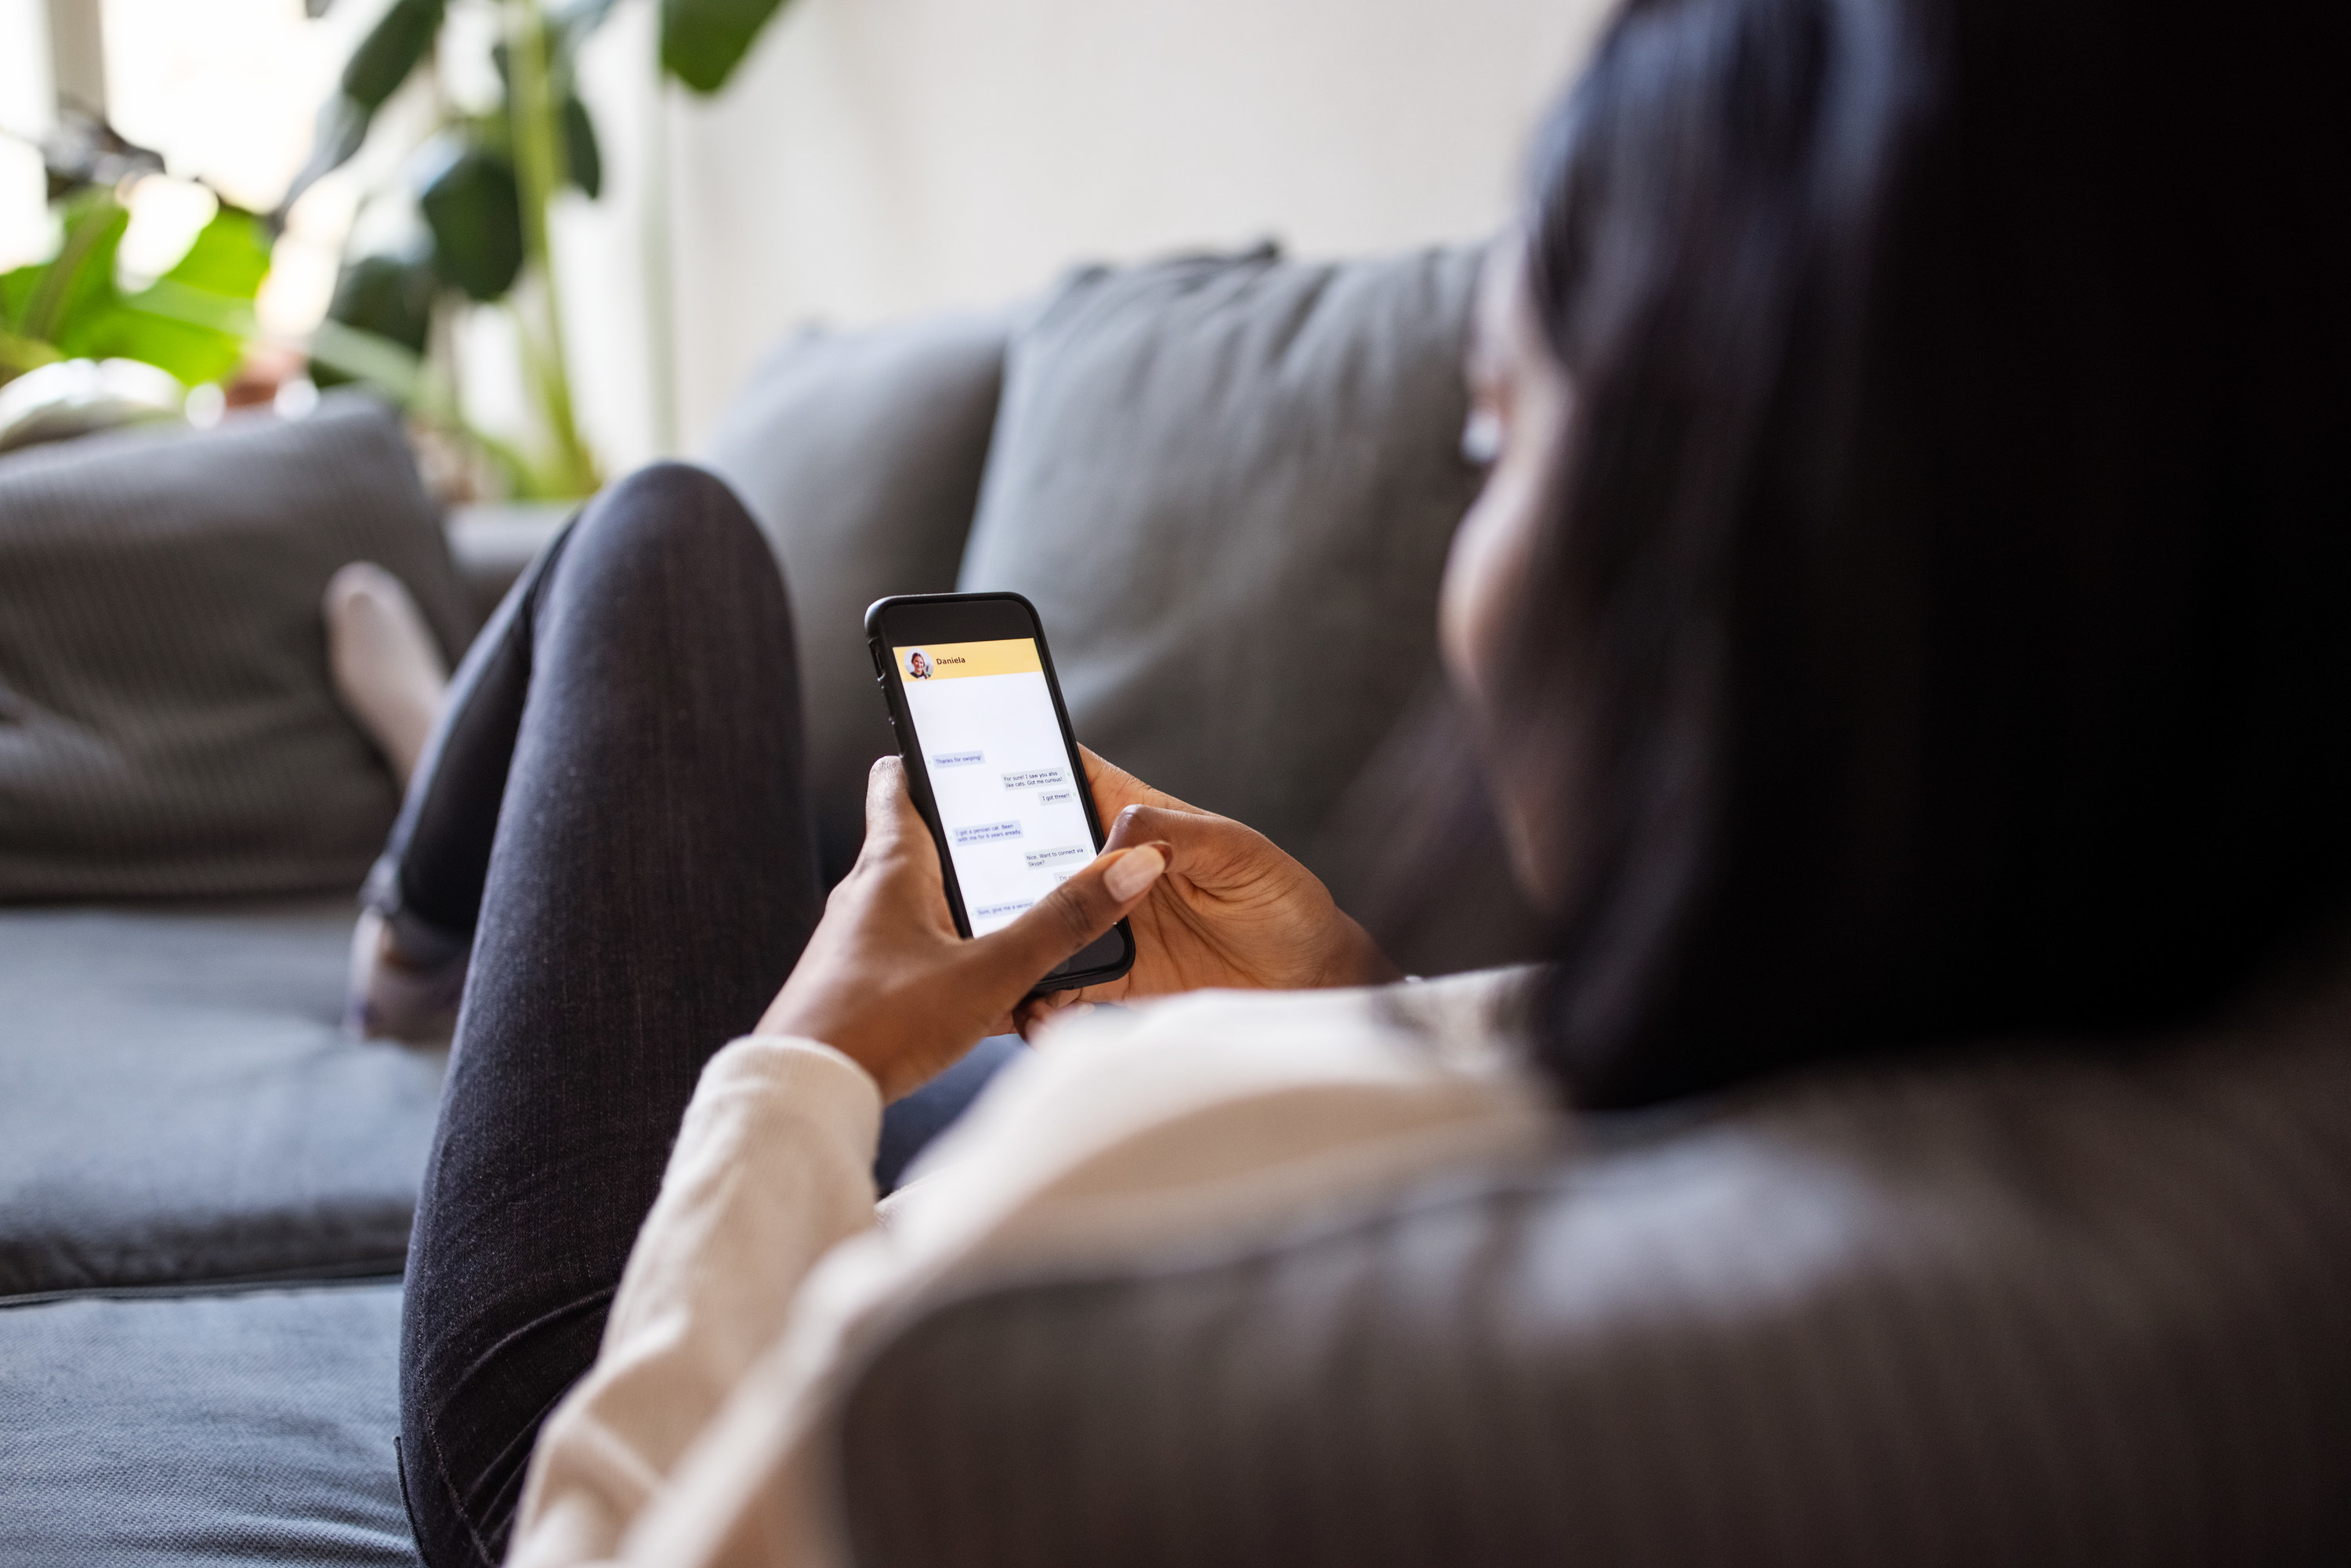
918,777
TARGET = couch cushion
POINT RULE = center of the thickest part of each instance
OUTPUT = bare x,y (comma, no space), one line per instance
860,454
179,1104
245,1429
166,722
2005,1310
1229,485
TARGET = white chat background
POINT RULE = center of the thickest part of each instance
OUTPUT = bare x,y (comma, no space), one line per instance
1008,721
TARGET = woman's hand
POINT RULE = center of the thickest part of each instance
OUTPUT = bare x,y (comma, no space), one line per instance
886,981
1233,910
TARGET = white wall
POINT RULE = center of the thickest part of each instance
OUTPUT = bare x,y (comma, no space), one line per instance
875,157
878,157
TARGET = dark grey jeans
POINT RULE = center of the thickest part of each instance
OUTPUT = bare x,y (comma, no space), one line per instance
612,813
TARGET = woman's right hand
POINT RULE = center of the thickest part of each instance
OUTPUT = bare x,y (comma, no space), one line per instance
1232,910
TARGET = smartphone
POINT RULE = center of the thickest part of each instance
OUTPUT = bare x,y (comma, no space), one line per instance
991,762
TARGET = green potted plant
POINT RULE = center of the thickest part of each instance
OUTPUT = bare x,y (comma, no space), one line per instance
67,324
483,184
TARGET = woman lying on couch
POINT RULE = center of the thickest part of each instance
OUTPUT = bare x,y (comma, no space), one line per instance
1906,608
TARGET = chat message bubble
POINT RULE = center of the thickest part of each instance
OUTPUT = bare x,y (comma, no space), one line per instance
987,832
1030,781
990,911
1054,797
956,759
1039,859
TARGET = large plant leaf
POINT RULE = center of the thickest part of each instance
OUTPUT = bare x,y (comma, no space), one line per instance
401,38
191,322
65,297
474,212
701,41
15,288
336,137
387,295
394,48
230,256
194,321
191,350
18,355
583,161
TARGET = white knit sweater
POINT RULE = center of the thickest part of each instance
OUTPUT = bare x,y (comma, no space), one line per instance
700,1436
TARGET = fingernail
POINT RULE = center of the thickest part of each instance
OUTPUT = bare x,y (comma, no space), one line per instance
1133,871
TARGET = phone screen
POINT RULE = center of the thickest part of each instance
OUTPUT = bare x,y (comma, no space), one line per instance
1002,779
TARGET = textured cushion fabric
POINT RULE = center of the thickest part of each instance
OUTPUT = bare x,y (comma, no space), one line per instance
166,722
2049,1313
860,454
1229,485
246,1429
178,1103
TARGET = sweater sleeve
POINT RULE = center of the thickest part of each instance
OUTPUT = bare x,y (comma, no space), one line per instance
772,1168
760,1280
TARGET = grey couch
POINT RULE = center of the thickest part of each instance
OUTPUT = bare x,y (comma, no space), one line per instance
2046,1309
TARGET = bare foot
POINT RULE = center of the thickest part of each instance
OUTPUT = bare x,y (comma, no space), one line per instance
386,667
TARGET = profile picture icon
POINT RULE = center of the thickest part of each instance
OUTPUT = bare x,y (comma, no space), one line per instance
918,664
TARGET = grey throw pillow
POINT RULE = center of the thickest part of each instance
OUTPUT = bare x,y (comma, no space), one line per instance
167,725
1229,484
860,454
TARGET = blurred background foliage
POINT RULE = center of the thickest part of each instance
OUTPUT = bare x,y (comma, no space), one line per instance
467,205
191,322
481,183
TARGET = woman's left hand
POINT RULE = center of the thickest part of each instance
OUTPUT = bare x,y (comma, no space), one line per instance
885,979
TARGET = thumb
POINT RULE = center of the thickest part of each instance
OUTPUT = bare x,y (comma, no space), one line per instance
1072,916
890,818
1178,827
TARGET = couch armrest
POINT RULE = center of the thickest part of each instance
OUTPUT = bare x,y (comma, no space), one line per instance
2012,1312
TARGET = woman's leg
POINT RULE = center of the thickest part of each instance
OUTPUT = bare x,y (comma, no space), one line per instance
424,895
650,881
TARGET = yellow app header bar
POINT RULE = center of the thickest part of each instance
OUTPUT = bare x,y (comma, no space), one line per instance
954,661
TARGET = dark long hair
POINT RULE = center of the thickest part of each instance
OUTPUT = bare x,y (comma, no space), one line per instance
1944,629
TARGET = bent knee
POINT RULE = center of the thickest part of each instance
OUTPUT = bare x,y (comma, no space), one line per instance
675,515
